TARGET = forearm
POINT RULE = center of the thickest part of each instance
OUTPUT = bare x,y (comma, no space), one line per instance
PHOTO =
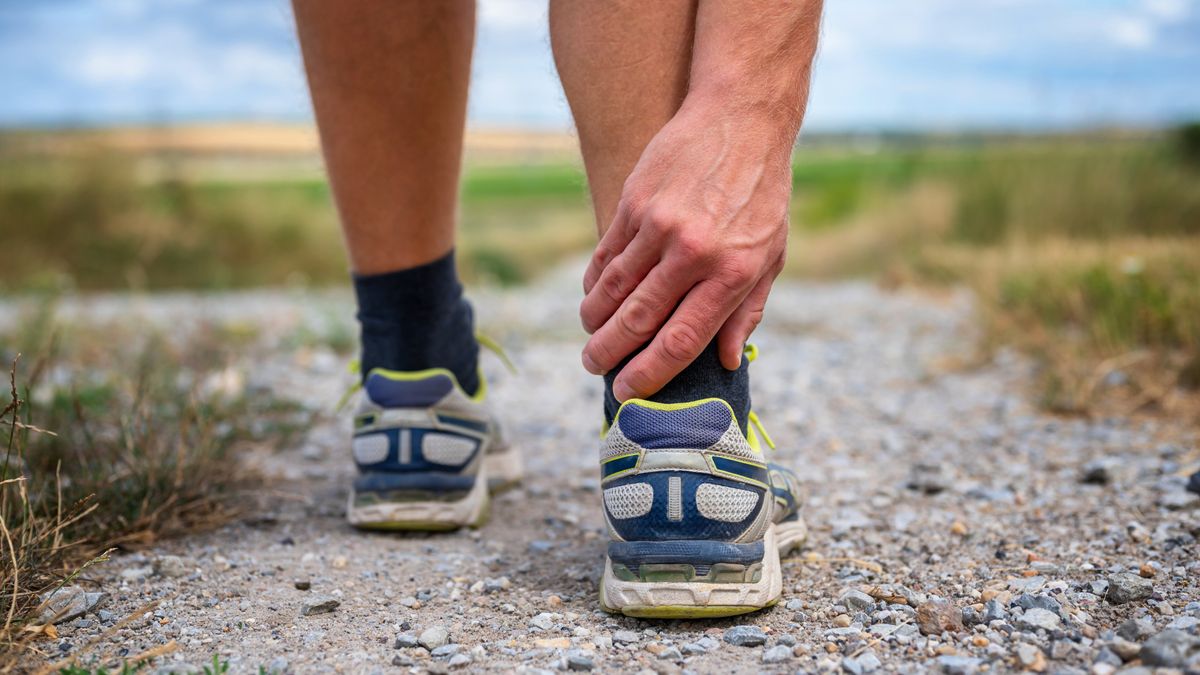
754,58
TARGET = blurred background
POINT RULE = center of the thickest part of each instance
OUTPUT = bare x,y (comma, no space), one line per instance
1042,153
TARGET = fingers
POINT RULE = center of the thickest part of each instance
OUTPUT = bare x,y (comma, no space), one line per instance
618,280
636,320
731,339
615,239
690,329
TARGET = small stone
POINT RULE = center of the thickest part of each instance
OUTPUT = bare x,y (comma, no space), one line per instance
777,654
172,566
980,641
994,611
971,617
1026,601
459,660
1170,649
554,602
1125,649
928,478
319,605
693,648
402,660
1193,484
69,603
856,600
794,605
303,585
745,636
406,640
553,643
1098,471
543,621
1030,657
444,651
433,637
786,639
938,616
340,562
958,665
1038,618
137,573
626,637
106,616
958,528
579,660
1136,630
1125,587
1146,570
841,621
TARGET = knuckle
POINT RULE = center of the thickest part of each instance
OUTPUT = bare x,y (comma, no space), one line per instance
612,284
637,319
681,341
739,272
694,246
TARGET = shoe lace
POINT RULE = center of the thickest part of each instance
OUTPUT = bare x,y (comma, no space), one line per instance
751,352
485,341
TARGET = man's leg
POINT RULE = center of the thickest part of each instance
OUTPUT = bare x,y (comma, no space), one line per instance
624,68
389,88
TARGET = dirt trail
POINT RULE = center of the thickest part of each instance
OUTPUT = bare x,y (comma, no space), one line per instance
942,482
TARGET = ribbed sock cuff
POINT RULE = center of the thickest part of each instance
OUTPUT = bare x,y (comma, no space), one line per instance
417,318
704,378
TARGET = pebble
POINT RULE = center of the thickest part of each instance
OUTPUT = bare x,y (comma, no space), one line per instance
459,660
319,605
1030,657
543,621
939,616
1026,601
1126,649
1171,649
626,637
172,566
745,636
1136,630
433,637
928,478
863,663
777,654
841,621
1125,587
1038,618
994,611
303,585
69,603
577,659
856,600
444,651
952,664
406,640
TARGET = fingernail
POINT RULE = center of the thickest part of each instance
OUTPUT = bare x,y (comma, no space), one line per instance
590,365
622,392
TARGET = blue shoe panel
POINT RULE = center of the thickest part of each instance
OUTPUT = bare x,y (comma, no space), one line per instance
698,427
422,393
657,526
417,462
635,553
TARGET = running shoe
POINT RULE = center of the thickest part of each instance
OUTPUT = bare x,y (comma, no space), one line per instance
697,516
427,453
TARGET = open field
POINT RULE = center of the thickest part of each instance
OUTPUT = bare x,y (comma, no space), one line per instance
1080,247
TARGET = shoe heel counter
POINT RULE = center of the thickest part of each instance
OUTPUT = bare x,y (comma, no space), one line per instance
670,473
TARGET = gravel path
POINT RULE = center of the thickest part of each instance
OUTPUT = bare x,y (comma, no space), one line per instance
938,497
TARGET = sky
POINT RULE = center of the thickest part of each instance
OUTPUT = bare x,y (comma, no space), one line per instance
882,64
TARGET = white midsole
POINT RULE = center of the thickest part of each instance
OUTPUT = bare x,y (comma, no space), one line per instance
466,511
619,595
504,467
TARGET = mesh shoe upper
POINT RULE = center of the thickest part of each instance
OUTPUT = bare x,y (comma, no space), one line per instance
686,472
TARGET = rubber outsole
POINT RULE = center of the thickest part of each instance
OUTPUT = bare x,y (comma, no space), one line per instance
471,511
700,600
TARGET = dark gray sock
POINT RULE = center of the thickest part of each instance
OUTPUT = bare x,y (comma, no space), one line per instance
417,318
704,378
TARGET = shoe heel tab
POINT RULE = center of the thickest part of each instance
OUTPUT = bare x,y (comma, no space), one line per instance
692,424
411,389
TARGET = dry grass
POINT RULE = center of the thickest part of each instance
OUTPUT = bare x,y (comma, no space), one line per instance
114,441
1082,255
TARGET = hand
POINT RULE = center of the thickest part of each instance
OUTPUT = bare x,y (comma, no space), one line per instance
699,236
